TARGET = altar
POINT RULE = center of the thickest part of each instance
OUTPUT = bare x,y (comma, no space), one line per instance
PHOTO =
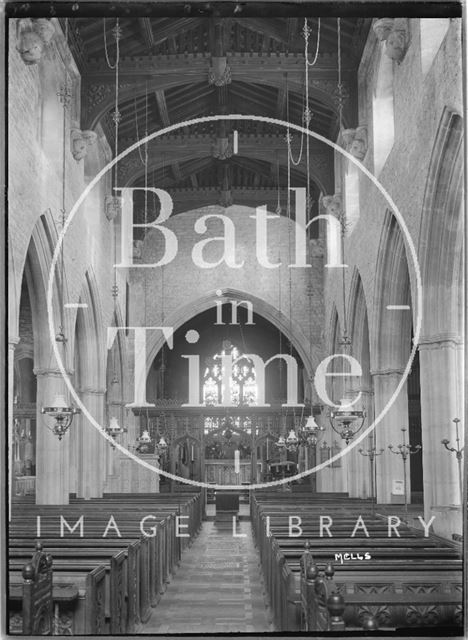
223,472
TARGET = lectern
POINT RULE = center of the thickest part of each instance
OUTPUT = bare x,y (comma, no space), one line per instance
227,505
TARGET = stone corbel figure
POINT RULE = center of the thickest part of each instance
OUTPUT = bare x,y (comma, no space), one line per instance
137,249
80,141
219,73
113,206
394,32
222,149
355,141
332,205
33,35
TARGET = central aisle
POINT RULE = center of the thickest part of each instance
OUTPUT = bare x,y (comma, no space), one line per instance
218,587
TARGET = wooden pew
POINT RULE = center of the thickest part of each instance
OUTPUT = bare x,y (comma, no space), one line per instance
74,596
133,591
422,561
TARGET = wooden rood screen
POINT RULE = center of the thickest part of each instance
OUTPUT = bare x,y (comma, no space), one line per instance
37,595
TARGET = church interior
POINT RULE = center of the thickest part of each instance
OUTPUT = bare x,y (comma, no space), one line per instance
235,321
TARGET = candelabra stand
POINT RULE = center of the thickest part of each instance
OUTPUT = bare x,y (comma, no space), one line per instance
405,450
372,453
459,454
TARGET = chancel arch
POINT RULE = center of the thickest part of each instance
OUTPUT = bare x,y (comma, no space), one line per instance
245,425
290,329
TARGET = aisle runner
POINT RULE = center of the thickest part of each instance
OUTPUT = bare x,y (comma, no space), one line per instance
217,588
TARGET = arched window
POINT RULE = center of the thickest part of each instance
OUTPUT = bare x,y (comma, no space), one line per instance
242,381
432,32
382,112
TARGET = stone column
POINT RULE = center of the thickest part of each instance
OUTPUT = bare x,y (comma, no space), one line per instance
52,454
201,455
358,465
253,457
12,342
93,446
388,431
442,400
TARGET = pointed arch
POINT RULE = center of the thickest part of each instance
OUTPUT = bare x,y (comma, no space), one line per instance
36,270
441,234
359,326
290,329
391,335
90,333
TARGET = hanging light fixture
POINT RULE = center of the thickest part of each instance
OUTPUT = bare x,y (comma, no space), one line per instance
308,435
65,97
312,432
345,420
113,203
161,447
62,415
60,411
143,442
114,429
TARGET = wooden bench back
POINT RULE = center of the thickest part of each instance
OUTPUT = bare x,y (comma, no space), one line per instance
37,595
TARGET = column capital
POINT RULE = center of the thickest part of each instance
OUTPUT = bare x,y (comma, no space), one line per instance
363,391
13,341
92,391
52,373
441,340
387,372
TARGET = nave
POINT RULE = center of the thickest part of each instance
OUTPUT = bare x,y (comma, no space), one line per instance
217,588
335,565
260,301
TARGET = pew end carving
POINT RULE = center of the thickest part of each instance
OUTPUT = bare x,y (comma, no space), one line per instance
322,603
37,594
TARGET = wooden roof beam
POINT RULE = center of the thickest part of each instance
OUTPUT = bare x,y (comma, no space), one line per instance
281,101
146,30
268,27
174,28
162,106
166,121
292,30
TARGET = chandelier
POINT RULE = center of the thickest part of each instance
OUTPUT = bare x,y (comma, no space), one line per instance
307,436
62,415
345,421
114,429
145,441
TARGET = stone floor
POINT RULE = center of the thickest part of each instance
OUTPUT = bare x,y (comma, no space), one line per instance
218,587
